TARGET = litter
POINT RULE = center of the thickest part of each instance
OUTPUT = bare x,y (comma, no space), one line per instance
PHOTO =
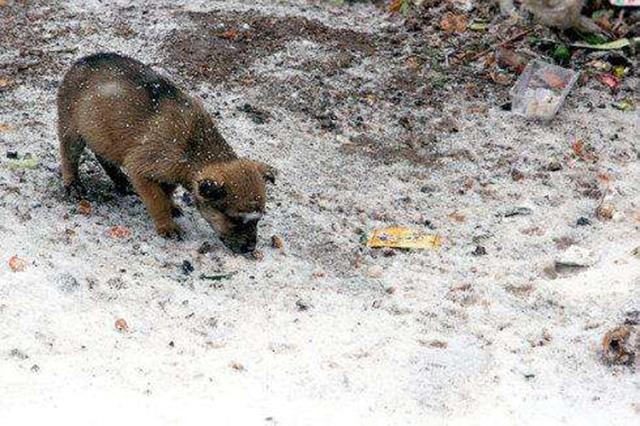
399,237
541,90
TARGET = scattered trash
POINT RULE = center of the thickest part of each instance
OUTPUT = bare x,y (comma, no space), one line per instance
614,45
121,325
479,251
624,105
583,221
237,366
605,211
16,264
609,80
541,90
28,162
217,277
573,259
118,231
620,345
518,211
84,208
399,237
301,305
277,242
186,267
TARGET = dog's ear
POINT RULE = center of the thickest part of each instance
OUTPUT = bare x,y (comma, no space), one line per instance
211,190
268,173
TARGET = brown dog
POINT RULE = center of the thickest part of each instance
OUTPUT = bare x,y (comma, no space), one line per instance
133,118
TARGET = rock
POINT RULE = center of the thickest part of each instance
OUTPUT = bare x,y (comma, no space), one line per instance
554,165
121,325
67,283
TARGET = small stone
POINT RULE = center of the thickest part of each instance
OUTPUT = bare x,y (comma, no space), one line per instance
277,242
121,325
84,208
583,221
479,251
35,368
257,255
172,344
16,264
186,267
390,290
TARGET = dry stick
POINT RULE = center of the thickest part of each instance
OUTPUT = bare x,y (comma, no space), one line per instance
502,44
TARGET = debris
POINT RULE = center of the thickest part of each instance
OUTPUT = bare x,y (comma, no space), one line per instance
186,267
236,366
217,277
541,90
399,237
28,162
5,127
609,80
205,248
118,231
257,255
121,325
573,259
67,283
17,353
583,221
624,105
84,208
16,264
301,305
479,251
518,211
5,81
452,23
620,345
277,242
605,211
614,45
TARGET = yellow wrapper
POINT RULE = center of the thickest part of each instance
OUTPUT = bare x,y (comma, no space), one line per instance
398,237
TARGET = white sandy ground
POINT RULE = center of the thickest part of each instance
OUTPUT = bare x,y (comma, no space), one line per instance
357,355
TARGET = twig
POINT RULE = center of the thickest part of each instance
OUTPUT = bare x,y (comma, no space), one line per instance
502,44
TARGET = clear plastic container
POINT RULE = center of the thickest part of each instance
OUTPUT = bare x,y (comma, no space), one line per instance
541,90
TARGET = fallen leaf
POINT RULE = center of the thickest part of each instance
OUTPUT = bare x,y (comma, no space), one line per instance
452,23
118,231
16,264
84,208
395,6
121,325
399,237
609,80
5,81
231,34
